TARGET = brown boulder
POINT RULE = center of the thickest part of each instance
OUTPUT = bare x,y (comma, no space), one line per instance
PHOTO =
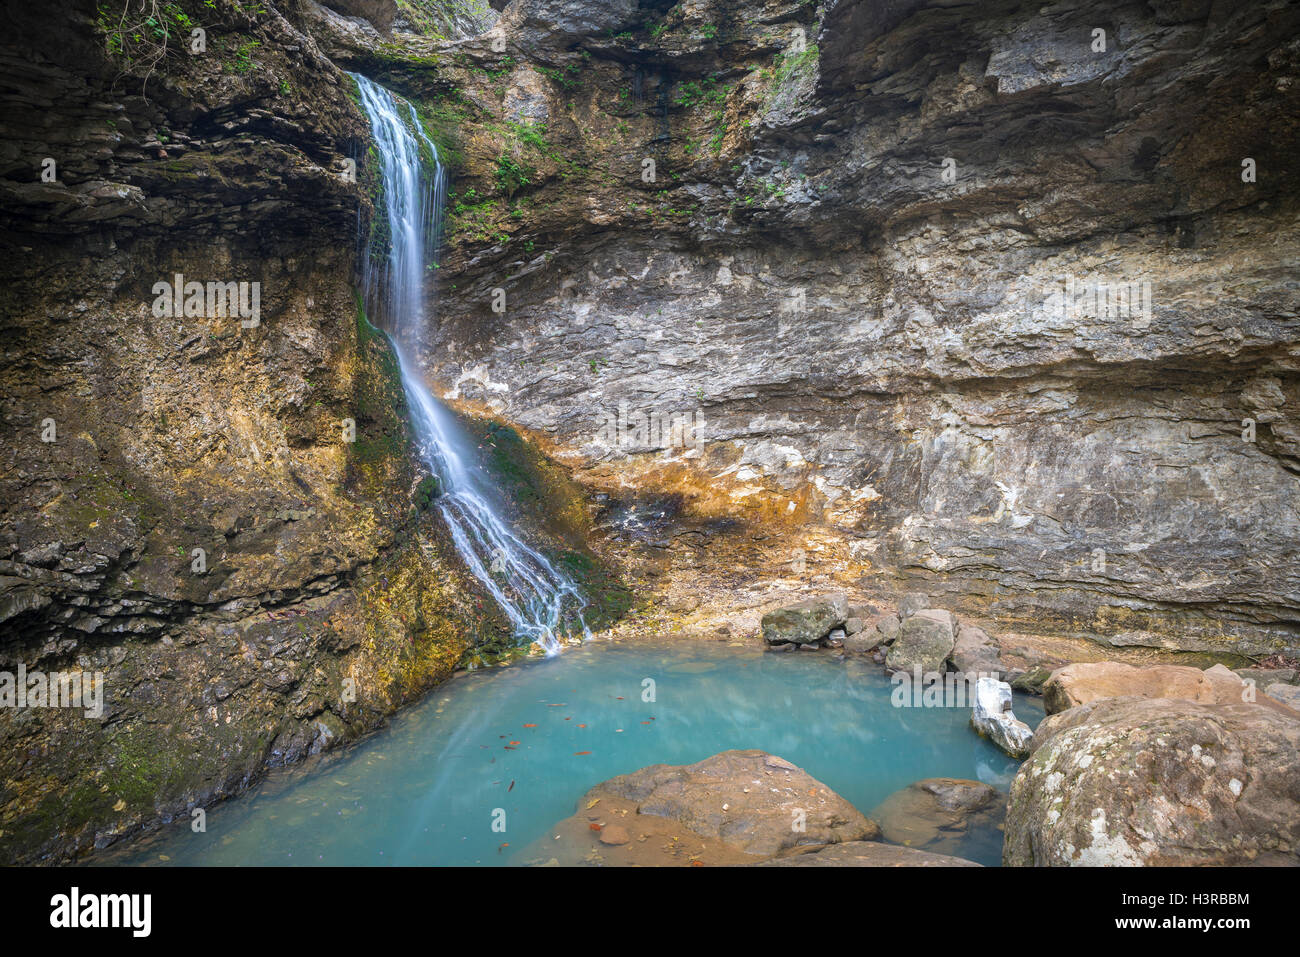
1080,683
940,814
723,810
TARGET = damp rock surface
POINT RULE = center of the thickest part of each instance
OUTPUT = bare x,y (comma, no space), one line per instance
1155,782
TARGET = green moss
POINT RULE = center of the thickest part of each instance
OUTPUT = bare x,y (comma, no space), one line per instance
142,771
383,438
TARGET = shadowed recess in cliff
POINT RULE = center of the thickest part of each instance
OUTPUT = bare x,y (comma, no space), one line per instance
539,599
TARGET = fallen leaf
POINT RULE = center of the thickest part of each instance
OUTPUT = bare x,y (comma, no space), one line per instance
593,803
581,752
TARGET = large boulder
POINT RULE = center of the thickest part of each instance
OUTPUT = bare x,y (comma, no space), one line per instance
726,809
867,854
942,815
925,639
991,716
806,621
1080,683
1158,781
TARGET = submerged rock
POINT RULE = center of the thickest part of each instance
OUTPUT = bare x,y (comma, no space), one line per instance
940,814
1158,781
992,717
868,854
806,621
925,639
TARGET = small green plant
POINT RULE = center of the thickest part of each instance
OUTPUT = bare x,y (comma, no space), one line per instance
510,175
243,61
141,34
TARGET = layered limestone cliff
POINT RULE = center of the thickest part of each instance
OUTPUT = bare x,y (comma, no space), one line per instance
822,291
993,299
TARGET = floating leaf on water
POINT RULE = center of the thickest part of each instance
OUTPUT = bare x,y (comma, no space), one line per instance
577,753
530,726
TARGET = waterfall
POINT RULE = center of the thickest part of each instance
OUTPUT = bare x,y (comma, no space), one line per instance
532,592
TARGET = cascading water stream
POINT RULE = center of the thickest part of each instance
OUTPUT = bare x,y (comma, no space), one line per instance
532,592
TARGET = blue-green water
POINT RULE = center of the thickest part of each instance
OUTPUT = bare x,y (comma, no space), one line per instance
427,789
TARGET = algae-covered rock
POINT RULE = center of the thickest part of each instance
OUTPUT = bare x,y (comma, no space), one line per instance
925,640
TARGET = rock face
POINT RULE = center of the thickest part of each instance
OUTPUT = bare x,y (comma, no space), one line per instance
750,801
925,639
1162,781
993,436
1078,684
992,717
868,854
806,622
936,195
941,815
181,508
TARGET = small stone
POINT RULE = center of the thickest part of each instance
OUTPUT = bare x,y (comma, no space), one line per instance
853,626
811,646
912,603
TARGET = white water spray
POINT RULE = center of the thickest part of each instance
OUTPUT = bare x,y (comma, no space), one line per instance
532,592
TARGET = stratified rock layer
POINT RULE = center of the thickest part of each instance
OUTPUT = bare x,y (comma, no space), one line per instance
882,352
